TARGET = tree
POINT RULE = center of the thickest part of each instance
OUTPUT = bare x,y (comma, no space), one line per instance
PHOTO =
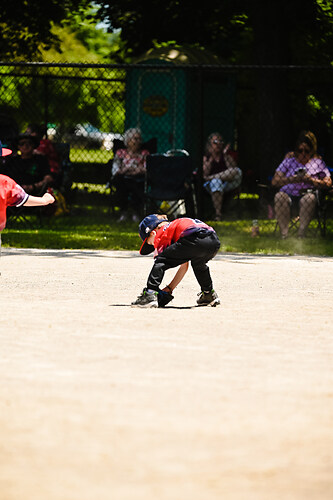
26,26
256,32
276,30
83,40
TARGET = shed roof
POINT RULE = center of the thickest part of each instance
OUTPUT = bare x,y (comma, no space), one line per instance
176,54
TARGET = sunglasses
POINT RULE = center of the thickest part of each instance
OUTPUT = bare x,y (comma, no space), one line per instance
216,141
304,150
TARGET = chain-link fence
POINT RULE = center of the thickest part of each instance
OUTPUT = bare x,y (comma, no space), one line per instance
258,111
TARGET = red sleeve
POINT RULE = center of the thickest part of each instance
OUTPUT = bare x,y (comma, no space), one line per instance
11,194
15,194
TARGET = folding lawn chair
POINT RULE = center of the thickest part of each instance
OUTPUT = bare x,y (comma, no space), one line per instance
318,223
169,184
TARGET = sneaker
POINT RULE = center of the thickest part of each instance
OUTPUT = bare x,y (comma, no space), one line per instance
135,218
146,299
208,299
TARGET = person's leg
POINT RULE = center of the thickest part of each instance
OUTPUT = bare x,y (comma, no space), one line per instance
307,207
175,255
217,199
209,247
233,175
206,249
232,180
214,187
149,296
282,204
227,181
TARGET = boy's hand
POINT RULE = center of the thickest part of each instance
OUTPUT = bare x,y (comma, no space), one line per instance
163,298
48,198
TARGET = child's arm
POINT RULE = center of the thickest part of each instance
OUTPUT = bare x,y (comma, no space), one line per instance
34,201
177,278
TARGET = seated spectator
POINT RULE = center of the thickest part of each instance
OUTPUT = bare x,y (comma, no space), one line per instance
28,169
45,147
220,171
128,171
298,176
13,195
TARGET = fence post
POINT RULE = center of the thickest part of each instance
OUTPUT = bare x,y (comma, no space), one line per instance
46,102
200,142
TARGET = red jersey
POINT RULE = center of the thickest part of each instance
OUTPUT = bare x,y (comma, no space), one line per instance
178,228
11,195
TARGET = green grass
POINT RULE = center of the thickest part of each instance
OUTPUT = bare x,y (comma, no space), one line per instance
89,228
236,237
93,227
90,155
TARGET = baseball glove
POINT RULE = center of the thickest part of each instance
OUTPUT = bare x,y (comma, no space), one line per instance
163,298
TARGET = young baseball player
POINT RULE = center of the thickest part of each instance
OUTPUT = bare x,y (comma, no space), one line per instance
13,195
175,243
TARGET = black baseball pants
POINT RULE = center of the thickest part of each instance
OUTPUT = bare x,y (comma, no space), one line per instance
197,248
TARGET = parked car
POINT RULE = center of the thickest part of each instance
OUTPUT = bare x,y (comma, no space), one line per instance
86,135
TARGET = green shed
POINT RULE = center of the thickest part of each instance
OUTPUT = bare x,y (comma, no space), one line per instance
178,98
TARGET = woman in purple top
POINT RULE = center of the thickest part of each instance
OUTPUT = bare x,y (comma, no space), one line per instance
298,176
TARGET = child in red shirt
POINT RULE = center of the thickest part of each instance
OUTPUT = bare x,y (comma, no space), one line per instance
174,244
13,195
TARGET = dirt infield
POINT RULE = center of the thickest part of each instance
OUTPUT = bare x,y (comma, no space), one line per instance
101,401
